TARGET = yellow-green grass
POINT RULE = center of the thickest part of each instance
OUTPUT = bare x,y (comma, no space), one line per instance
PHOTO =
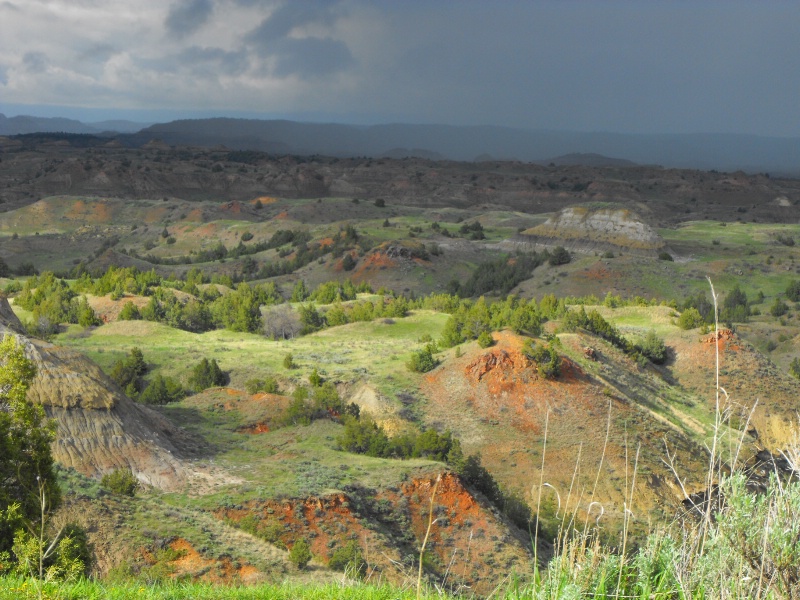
639,319
12,588
374,350
297,461
22,314
737,233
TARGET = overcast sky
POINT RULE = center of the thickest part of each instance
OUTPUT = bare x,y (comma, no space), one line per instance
639,66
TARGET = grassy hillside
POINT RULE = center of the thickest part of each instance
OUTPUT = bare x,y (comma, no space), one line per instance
253,480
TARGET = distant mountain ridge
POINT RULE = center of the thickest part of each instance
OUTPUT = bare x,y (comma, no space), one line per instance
25,124
726,152
465,143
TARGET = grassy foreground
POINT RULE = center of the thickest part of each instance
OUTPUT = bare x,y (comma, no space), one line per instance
18,589
749,549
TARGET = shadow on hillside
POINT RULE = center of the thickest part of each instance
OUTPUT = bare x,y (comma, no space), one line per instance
191,440
665,369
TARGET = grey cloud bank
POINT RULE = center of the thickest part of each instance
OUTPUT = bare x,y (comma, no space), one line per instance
635,67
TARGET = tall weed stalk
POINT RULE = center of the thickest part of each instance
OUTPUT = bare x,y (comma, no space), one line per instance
736,543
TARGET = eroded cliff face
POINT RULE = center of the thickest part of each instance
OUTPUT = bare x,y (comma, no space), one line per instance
99,429
66,379
596,229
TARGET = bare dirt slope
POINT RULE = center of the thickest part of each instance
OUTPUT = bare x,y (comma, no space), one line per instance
498,405
753,386
467,544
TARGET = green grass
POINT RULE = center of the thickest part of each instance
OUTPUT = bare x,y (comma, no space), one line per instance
12,588
639,319
375,350
22,314
296,461
703,233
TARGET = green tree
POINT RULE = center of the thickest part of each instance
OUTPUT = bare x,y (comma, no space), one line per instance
238,310
793,291
196,317
548,362
485,339
153,311
327,400
691,319
207,374
526,319
121,481
348,262
421,361
129,312
256,385
45,558
300,554
559,256
735,307
364,436
310,318
778,308
653,348
86,314
26,462
794,368
127,373
452,334
335,315
349,559
477,319
300,291
162,390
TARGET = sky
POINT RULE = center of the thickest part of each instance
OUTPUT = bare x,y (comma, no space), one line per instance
642,66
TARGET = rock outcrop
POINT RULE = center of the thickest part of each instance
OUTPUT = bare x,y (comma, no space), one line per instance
99,429
589,229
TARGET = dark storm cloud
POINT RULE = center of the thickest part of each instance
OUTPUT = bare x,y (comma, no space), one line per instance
290,15
304,57
187,16
616,65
